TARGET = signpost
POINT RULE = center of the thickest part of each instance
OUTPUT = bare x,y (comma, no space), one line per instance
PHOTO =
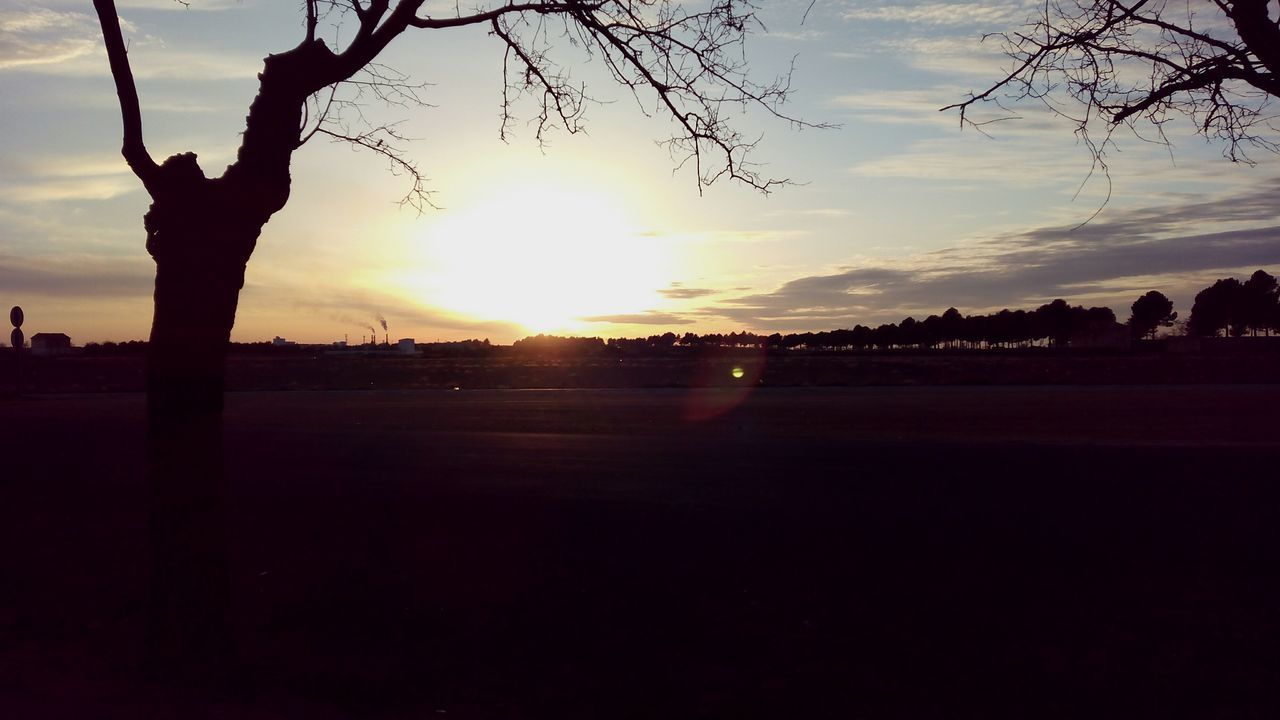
16,340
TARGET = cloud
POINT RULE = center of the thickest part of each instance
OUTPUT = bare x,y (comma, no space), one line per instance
56,178
78,276
995,163
803,35
43,40
677,291
1112,260
917,106
31,37
646,318
52,178
987,14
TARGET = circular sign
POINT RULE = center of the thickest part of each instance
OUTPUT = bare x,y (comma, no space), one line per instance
15,338
15,316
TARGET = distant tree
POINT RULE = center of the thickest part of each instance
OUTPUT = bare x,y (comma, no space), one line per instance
1152,310
951,327
1054,321
975,330
1002,328
1098,317
1217,307
554,346
860,337
1259,302
909,332
885,336
930,331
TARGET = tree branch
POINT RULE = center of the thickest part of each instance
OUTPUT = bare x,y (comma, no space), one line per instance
383,141
692,58
1148,60
133,149
312,20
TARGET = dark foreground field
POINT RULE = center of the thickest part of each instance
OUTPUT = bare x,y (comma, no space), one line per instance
1031,552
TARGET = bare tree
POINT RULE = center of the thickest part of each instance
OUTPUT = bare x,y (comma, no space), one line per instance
679,60
684,62
1116,63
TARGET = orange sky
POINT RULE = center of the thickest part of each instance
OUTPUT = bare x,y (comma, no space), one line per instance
897,212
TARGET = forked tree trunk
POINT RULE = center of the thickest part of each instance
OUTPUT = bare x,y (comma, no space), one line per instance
201,232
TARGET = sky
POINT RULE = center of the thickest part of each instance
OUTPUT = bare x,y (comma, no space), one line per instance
897,211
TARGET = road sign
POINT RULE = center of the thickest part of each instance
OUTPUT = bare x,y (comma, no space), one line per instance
16,339
15,316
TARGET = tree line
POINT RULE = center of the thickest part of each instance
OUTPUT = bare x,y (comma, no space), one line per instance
1236,308
1052,324
1228,307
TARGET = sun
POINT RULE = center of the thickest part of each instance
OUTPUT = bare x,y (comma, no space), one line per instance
548,259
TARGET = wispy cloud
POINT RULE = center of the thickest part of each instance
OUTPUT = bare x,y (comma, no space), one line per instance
65,178
678,291
647,318
34,36
66,42
31,179
940,14
77,276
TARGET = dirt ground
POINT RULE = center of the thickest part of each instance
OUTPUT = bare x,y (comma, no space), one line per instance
881,552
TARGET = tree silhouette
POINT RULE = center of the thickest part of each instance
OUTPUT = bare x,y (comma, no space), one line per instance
951,326
1054,320
201,231
1152,310
1217,307
1259,299
687,62
1115,62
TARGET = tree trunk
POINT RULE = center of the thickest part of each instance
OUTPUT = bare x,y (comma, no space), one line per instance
200,243
201,232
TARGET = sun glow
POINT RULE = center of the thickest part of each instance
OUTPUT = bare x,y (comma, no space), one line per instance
545,258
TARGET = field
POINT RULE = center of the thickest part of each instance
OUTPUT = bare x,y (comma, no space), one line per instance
1235,361
739,551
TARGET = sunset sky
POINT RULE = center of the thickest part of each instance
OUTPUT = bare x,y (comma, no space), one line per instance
896,212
